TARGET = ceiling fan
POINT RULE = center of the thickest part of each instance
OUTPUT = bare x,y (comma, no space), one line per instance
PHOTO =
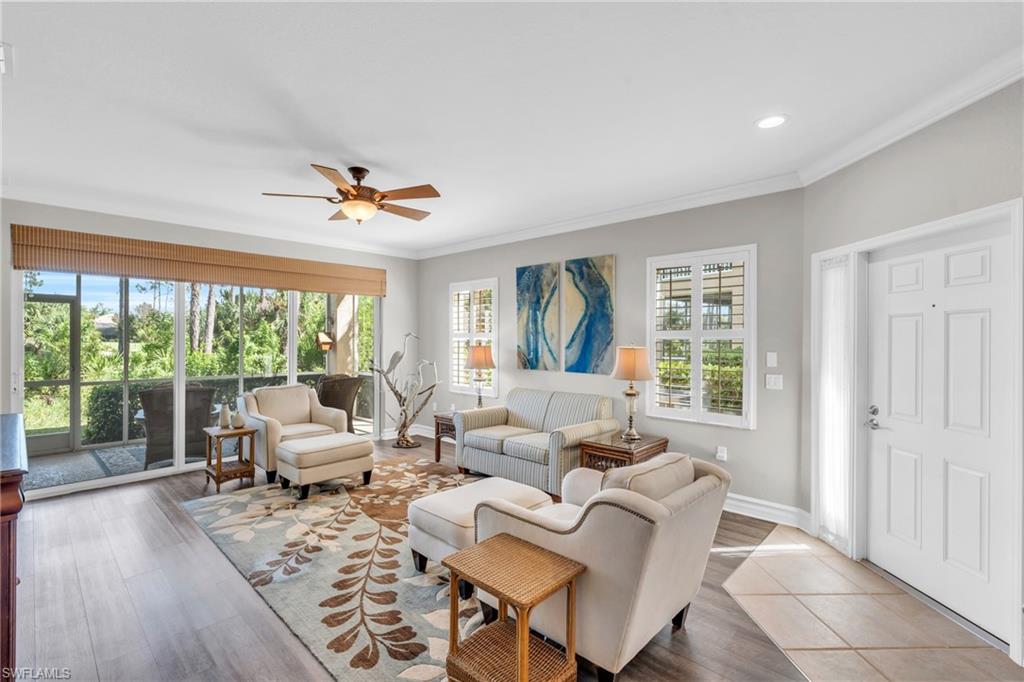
361,202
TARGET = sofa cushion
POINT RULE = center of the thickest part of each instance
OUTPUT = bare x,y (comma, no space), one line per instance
491,438
318,450
306,430
286,404
568,409
560,512
527,407
449,515
533,447
655,478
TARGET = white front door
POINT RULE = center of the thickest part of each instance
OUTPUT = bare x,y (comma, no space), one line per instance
941,446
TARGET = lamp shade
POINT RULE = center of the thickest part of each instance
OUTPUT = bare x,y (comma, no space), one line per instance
480,358
631,363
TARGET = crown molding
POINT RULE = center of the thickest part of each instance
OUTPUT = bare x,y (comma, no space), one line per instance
186,219
778,183
994,76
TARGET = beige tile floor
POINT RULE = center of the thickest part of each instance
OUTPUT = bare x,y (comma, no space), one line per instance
838,620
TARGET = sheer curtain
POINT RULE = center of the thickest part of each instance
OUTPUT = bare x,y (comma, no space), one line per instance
835,391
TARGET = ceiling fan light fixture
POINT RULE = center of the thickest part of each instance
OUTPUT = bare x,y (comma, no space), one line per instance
773,121
359,209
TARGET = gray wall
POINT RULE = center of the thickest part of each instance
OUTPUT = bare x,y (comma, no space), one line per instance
765,463
399,308
970,159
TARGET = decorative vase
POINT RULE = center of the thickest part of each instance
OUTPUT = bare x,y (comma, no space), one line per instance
237,420
224,419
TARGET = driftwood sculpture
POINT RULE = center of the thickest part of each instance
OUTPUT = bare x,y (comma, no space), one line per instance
411,396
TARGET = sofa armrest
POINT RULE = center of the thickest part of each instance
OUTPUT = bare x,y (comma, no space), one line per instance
480,418
579,485
571,436
336,418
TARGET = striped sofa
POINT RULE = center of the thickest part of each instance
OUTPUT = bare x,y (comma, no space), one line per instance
534,438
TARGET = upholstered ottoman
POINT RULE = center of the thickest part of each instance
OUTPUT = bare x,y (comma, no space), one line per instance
443,523
305,461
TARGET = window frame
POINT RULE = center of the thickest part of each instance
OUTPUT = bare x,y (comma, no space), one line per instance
474,285
696,335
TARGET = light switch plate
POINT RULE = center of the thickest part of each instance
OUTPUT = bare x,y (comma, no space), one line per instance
722,453
771,359
773,382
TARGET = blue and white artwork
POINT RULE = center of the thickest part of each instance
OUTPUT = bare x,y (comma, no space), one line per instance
590,314
537,338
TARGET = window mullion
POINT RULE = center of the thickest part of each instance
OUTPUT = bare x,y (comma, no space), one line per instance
697,342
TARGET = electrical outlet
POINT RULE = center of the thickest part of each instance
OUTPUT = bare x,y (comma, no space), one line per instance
722,453
771,359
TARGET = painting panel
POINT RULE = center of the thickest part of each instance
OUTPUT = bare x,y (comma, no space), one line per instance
590,314
537,328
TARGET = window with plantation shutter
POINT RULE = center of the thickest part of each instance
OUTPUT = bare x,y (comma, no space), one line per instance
702,335
472,319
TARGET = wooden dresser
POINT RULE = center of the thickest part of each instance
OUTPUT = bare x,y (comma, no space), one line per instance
13,466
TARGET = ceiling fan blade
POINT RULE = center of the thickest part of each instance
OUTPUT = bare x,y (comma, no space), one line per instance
335,176
301,196
339,215
417,192
405,211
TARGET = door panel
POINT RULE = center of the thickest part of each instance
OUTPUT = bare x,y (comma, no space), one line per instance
940,464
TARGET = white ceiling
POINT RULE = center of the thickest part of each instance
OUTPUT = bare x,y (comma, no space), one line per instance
528,118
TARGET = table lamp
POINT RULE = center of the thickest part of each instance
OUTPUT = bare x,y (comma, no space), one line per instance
631,364
479,359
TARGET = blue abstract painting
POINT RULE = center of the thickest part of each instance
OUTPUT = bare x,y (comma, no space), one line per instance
537,316
590,314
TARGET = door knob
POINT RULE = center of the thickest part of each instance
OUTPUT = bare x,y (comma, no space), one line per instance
872,424
873,410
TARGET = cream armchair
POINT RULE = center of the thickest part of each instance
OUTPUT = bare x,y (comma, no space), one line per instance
644,533
281,413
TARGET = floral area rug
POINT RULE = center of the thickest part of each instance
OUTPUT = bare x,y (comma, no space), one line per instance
337,569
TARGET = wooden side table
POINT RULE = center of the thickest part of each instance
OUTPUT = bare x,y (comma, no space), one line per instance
220,471
444,427
611,451
520,575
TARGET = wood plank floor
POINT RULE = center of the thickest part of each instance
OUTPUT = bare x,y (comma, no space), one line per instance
120,584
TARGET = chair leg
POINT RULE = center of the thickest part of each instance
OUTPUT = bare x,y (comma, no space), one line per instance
679,620
304,491
284,483
490,613
419,561
465,589
366,476
604,675
271,477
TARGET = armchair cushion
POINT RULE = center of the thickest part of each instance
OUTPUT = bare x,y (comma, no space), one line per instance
286,404
579,485
290,431
534,447
655,478
492,438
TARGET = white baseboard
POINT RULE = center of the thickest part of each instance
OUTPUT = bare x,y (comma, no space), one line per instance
414,430
768,511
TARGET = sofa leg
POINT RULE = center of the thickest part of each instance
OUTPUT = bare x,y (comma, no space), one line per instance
271,477
679,620
490,613
285,483
465,589
304,491
604,675
419,561
366,476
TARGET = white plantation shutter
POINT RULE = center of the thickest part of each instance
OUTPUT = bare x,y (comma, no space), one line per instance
472,320
702,333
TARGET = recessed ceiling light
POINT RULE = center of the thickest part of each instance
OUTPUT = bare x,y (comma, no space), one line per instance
771,121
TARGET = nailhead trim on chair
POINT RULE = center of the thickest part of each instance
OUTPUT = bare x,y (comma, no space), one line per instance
569,531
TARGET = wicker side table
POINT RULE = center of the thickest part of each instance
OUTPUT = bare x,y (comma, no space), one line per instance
611,451
219,471
444,427
520,575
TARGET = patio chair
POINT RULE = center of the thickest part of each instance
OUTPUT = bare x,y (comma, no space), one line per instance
340,391
158,410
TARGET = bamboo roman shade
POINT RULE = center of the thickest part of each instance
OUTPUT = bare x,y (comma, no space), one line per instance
42,248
